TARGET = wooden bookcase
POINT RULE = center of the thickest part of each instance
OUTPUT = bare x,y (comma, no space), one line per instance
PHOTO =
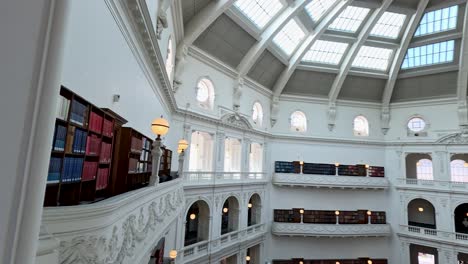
328,216
133,161
330,261
81,152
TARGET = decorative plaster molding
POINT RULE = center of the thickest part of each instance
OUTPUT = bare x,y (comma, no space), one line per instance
122,229
330,230
458,139
236,120
329,181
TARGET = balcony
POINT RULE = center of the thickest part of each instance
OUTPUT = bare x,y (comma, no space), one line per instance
330,181
121,229
432,185
433,235
223,243
202,179
330,230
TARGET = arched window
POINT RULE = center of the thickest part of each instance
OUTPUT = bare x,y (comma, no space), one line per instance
197,223
459,170
298,122
201,152
170,59
205,93
416,124
361,126
424,169
257,113
421,213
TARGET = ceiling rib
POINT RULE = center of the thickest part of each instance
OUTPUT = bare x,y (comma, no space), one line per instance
462,82
268,34
313,36
354,50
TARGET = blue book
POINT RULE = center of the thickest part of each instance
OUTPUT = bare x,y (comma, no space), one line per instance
83,142
80,169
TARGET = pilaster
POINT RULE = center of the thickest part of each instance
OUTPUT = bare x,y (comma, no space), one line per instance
220,138
447,256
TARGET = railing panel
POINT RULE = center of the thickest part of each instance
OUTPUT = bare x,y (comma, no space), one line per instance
204,177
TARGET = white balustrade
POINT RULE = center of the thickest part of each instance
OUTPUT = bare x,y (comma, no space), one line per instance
213,178
203,248
449,186
434,234
330,230
330,181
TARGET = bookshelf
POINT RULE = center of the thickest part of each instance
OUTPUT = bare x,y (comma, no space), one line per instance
81,151
165,165
328,217
358,170
331,261
133,161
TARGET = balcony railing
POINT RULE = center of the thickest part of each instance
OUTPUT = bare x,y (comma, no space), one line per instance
330,230
434,234
213,178
330,181
451,186
204,248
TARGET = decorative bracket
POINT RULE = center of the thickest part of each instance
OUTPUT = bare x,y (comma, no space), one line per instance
385,118
331,116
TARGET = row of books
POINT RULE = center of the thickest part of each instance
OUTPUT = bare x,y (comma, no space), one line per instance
93,145
146,144
72,168
375,171
89,170
79,140
59,138
331,261
352,170
108,128
319,168
55,166
102,178
106,153
286,167
63,105
136,145
145,155
78,114
95,122
329,169
328,216
135,166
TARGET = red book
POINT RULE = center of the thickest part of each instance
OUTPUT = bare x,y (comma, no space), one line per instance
89,171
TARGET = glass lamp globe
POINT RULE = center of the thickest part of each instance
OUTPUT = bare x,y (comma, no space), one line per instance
183,145
173,254
193,216
247,258
337,213
225,210
160,126
369,213
249,205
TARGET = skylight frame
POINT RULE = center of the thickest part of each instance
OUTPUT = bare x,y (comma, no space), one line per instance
373,58
350,20
321,50
287,41
245,9
387,28
321,5
420,56
421,31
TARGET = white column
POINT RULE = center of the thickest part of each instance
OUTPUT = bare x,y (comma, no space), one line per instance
156,153
447,256
188,136
181,164
444,215
405,252
219,162
245,154
440,163
41,93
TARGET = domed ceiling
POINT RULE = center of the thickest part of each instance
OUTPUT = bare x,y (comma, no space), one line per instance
380,51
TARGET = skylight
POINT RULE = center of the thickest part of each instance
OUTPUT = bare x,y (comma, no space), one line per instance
437,21
350,19
373,58
326,52
289,37
437,53
389,25
317,8
260,12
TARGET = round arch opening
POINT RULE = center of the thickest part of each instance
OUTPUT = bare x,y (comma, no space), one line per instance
197,223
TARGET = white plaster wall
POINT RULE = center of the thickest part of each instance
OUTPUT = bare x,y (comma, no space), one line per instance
22,26
99,63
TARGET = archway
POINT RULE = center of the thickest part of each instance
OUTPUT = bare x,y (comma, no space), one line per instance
197,223
230,215
461,218
421,213
254,210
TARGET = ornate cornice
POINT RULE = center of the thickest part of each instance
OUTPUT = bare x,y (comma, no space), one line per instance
454,139
329,181
330,230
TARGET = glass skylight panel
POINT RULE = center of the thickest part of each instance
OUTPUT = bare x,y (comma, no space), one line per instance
437,53
317,8
289,37
389,25
350,19
373,58
326,52
438,20
260,12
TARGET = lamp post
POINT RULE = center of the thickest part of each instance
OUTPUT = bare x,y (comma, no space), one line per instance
369,220
337,213
181,147
173,255
160,127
